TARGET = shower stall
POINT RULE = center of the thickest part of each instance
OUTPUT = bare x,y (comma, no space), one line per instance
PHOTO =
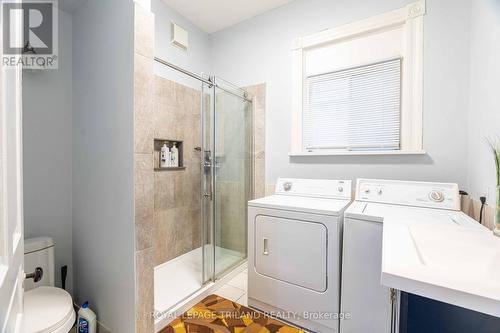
205,205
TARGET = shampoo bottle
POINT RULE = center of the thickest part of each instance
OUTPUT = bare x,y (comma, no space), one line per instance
175,156
87,320
164,156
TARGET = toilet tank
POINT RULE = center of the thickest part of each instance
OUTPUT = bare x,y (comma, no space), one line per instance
39,252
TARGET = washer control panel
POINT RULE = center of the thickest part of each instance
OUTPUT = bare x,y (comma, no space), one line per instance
320,188
419,194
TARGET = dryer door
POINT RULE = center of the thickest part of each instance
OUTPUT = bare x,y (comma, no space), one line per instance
292,251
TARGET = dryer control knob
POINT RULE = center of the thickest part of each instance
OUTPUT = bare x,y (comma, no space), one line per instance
287,186
436,196
341,189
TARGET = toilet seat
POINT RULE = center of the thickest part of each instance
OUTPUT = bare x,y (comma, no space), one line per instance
48,310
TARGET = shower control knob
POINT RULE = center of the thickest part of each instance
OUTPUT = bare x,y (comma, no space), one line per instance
287,186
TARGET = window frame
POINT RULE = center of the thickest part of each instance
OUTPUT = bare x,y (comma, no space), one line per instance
410,19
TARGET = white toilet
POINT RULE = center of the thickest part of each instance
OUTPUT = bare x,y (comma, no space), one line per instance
46,308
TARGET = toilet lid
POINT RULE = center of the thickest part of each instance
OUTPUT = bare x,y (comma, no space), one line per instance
47,309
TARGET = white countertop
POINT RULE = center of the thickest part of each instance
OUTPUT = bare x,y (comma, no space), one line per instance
456,263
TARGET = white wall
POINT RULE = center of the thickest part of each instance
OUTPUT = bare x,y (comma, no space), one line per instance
103,178
195,59
258,50
47,152
484,115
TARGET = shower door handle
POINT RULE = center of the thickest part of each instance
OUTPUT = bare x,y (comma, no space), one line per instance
207,171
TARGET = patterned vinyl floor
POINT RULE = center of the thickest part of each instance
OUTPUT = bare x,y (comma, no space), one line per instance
218,315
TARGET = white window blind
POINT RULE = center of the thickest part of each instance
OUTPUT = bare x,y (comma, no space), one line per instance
354,109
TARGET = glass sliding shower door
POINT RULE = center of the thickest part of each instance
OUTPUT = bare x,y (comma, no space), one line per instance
228,176
233,174
207,180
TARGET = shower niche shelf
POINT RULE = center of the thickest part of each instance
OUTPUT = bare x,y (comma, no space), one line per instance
158,143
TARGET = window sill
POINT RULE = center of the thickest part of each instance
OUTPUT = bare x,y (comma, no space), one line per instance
358,153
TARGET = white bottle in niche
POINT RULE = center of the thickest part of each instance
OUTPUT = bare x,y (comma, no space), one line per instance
164,156
169,157
175,156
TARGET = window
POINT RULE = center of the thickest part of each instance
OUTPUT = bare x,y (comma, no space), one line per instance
354,109
358,88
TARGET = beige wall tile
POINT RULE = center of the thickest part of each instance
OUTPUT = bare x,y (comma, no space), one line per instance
164,197
466,203
232,211
143,236
144,196
164,93
143,104
176,231
144,32
260,120
164,116
270,189
163,236
259,104
144,291
259,174
159,94
489,217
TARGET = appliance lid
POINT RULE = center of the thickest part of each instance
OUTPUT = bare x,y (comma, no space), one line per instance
377,212
37,244
46,309
320,206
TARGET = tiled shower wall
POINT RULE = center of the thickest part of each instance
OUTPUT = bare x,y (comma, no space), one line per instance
177,210
259,136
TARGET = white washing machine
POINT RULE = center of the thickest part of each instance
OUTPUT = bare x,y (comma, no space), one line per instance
382,205
294,253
